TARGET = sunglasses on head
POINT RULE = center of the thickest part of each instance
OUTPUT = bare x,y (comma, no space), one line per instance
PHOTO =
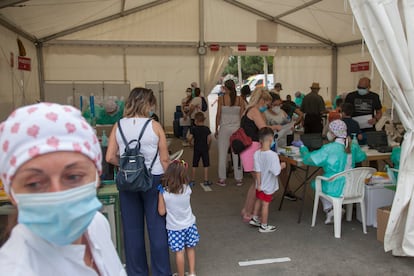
181,162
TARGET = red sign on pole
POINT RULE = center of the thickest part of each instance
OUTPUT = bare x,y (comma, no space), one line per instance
264,48
241,47
214,47
24,63
360,66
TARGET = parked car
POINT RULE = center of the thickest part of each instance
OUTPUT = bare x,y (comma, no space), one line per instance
259,80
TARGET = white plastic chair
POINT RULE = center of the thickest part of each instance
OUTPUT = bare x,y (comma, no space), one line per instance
353,192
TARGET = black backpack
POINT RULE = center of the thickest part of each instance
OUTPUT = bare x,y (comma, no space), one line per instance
204,105
133,175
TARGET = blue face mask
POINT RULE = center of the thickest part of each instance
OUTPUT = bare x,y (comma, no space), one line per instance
59,217
262,109
150,113
362,91
272,145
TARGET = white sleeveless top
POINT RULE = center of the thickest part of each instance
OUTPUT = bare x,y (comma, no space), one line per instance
131,128
230,116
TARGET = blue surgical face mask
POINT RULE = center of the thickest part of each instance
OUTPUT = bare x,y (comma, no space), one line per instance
272,145
59,217
362,91
150,113
262,109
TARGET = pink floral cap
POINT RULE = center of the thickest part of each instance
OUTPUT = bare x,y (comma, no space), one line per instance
43,128
338,128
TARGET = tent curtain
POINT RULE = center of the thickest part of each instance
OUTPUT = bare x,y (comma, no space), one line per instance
215,61
388,30
296,69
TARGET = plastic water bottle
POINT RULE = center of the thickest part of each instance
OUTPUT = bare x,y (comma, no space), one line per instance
354,138
104,139
274,147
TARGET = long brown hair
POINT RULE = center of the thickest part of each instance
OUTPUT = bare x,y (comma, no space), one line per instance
139,102
175,177
231,86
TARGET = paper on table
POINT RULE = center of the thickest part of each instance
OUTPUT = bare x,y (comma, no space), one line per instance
282,133
363,121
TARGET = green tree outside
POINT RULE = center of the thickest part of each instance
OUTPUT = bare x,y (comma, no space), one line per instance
251,65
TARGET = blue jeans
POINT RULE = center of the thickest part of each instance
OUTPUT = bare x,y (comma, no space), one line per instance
135,206
185,130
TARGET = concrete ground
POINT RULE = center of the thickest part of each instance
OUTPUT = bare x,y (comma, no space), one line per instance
226,240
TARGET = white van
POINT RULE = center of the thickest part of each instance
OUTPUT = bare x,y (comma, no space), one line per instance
259,80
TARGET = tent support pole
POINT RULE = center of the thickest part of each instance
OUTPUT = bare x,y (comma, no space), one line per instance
334,80
40,70
201,58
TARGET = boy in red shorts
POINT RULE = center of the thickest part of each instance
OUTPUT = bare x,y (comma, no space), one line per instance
267,167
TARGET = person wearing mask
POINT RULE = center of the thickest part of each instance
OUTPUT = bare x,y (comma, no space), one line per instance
277,116
299,98
365,103
50,164
313,106
185,121
252,120
195,104
335,157
140,208
277,88
229,110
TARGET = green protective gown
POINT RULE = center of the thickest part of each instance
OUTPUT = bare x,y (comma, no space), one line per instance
395,157
102,117
333,159
299,100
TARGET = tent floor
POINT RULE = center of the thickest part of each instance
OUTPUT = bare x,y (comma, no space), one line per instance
226,240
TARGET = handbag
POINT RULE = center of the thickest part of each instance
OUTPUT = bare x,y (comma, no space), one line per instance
239,141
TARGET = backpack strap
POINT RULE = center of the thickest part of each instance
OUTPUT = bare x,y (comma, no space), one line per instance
139,142
122,135
142,131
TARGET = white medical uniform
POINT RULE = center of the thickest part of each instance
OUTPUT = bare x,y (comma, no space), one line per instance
26,254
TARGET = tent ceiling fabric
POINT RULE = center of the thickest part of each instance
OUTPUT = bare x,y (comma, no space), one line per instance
329,20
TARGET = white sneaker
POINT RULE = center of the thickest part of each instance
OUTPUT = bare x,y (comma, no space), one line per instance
267,228
254,222
329,217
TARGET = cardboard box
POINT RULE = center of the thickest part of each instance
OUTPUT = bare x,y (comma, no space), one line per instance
383,215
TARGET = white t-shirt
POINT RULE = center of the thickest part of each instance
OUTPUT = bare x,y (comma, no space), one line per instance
179,213
131,128
267,163
26,254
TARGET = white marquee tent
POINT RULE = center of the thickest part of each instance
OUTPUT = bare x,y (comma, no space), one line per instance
137,41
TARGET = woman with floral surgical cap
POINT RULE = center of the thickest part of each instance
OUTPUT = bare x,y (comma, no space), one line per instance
334,157
50,162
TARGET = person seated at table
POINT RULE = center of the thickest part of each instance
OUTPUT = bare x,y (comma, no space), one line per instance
335,157
336,113
352,126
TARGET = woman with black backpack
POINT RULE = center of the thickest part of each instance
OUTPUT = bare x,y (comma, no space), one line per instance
138,207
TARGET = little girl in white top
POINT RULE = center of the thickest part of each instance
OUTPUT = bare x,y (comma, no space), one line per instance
174,201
